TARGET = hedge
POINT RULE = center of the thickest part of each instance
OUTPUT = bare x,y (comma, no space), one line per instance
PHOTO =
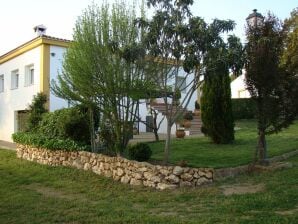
243,108
67,123
40,141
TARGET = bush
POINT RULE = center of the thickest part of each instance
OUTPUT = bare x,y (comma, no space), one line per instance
243,108
69,123
216,106
36,110
140,152
40,141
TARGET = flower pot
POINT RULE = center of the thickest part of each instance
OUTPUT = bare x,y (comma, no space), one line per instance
186,123
197,113
180,133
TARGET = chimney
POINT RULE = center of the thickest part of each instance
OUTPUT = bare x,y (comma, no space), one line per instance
40,30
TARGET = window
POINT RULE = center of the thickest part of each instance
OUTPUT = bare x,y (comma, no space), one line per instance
15,79
181,84
1,83
29,75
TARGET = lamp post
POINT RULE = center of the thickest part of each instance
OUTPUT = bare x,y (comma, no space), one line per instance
255,33
255,19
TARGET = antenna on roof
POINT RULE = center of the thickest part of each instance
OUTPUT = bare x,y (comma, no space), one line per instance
40,30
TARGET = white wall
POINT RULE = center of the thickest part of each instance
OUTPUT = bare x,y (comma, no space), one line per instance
12,100
56,59
191,106
238,88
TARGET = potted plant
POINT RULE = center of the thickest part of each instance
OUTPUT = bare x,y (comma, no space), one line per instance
197,109
180,132
187,119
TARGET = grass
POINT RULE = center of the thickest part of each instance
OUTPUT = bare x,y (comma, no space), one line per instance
33,193
200,152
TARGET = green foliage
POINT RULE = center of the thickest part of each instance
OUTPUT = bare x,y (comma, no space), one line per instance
41,141
177,40
36,110
69,123
104,65
289,60
216,108
269,84
243,108
216,103
290,52
140,152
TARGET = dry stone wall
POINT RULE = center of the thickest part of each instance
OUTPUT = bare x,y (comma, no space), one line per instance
121,169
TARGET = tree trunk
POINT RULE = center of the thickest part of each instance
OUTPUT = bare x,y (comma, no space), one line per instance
262,149
167,145
91,129
155,128
155,131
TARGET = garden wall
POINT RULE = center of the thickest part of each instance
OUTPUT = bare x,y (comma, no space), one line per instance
121,169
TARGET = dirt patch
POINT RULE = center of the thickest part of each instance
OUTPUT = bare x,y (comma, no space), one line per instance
53,192
288,212
242,189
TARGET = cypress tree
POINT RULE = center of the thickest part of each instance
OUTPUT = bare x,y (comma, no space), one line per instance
216,105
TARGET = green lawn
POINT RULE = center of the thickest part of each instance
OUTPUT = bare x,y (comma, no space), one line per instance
200,152
33,193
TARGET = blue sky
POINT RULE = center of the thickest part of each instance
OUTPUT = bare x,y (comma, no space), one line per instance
18,17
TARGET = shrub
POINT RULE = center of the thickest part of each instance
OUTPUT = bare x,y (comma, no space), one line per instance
243,108
69,123
41,141
140,152
36,110
216,106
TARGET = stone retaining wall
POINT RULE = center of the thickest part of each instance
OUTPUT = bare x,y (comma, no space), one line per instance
121,169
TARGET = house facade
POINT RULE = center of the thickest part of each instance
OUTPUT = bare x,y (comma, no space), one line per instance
24,72
238,88
29,69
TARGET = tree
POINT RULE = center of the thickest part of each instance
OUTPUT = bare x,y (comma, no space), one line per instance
216,102
103,69
36,110
290,52
176,43
267,82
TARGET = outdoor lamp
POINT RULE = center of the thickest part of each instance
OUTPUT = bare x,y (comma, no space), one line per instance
255,19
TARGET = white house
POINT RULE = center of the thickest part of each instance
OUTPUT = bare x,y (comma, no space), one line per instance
238,88
28,70
25,71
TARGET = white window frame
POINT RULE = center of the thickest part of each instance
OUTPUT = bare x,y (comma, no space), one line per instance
15,79
29,75
2,83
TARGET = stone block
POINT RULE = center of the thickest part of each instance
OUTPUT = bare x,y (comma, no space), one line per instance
163,186
120,172
125,179
178,170
186,177
173,179
135,182
87,166
185,184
